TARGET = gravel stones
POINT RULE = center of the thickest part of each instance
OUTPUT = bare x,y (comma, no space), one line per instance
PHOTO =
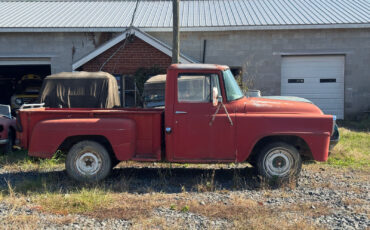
329,197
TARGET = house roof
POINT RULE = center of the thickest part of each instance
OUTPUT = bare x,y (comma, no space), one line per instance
195,15
140,34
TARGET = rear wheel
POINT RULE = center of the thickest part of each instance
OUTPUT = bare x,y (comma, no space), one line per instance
279,162
88,161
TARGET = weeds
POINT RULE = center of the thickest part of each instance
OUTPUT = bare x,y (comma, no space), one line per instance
83,201
185,208
207,182
353,150
20,161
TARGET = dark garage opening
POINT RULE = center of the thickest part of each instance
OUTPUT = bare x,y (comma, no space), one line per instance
11,82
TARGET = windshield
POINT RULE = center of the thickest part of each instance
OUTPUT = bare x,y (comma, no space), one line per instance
233,91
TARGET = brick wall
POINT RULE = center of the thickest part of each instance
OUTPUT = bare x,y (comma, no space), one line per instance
127,60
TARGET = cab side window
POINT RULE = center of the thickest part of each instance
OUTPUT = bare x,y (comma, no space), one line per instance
196,88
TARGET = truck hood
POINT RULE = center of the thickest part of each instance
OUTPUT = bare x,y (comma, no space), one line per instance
266,105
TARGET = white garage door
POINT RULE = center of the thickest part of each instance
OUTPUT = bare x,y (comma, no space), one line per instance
316,78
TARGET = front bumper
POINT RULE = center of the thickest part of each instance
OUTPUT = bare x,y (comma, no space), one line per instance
4,141
334,139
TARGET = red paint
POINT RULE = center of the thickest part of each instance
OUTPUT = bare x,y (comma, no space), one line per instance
131,133
136,134
7,124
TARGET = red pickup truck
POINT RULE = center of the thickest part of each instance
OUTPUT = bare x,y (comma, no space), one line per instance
206,119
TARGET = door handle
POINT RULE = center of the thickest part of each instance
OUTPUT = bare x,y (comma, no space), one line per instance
181,112
168,130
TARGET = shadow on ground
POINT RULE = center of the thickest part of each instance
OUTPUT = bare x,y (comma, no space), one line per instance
136,180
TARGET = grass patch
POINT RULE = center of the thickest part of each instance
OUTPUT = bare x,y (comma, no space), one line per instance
20,222
353,150
19,160
78,202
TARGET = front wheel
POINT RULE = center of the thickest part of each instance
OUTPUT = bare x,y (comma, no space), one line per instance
88,161
279,162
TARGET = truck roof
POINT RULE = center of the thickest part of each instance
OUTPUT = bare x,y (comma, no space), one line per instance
80,75
199,66
157,79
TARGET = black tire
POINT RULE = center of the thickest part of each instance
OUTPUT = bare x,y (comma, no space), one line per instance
115,162
279,163
88,161
8,147
253,160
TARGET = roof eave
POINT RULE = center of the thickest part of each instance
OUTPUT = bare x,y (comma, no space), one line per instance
186,29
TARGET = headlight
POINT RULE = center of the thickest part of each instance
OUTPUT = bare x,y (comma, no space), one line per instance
19,101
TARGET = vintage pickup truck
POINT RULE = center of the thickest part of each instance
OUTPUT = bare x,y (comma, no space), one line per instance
7,129
206,119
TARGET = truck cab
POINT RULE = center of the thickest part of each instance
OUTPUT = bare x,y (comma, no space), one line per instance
207,119
194,131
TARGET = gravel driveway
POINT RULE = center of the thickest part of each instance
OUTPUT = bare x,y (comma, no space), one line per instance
337,198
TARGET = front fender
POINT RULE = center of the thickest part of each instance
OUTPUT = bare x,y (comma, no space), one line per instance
313,129
48,135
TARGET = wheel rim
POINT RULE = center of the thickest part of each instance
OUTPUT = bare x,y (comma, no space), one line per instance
88,163
278,162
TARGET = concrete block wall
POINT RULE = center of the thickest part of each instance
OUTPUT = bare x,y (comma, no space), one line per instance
260,54
61,48
127,60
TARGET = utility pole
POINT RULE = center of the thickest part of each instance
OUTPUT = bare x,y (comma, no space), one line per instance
175,32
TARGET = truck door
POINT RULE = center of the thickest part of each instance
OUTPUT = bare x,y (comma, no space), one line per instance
194,138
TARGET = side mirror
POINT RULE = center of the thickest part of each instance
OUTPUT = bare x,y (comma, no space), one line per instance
215,96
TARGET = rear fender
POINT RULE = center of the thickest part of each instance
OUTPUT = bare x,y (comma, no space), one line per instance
48,135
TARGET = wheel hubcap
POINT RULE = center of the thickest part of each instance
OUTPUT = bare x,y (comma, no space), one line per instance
278,162
88,163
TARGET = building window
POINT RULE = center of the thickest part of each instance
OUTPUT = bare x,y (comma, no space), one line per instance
119,84
237,71
328,80
130,96
295,80
127,90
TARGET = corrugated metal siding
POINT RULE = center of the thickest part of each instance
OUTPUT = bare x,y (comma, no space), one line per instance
194,14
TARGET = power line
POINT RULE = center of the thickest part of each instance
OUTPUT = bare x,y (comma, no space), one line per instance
128,35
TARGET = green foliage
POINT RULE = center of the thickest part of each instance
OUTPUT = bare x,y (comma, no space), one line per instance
207,182
353,150
243,86
185,208
21,160
84,200
58,158
143,74
348,162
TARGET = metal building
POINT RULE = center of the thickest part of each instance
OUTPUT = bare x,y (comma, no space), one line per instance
318,49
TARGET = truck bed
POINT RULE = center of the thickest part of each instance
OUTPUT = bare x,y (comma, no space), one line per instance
148,123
